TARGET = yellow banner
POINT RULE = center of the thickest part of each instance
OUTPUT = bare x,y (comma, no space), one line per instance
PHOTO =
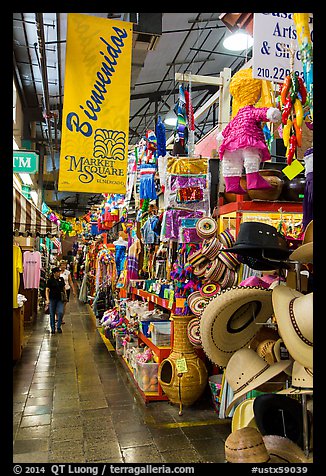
95,121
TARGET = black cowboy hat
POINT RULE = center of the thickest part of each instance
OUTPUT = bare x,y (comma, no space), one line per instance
261,241
281,415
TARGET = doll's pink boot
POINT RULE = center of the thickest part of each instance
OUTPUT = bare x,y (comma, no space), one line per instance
232,184
256,182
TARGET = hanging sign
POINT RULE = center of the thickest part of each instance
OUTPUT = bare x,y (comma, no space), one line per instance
25,162
274,34
95,123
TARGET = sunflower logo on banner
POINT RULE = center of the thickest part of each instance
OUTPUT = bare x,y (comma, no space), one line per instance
95,124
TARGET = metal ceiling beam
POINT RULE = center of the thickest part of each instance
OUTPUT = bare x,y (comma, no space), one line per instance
59,70
43,68
217,53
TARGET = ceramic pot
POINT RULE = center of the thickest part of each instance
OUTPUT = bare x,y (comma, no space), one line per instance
231,197
293,190
188,387
273,177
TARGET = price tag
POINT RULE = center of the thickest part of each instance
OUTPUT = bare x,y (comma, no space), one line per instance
181,365
293,170
180,302
171,299
166,293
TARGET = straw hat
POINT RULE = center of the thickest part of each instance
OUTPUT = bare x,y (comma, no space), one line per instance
246,371
244,415
206,227
304,253
280,352
283,447
210,289
228,279
246,445
197,302
200,268
226,238
229,259
229,321
302,381
265,351
265,332
196,257
294,316
211,247
193,332
215,270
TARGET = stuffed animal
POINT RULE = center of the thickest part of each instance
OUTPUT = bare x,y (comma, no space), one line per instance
242,142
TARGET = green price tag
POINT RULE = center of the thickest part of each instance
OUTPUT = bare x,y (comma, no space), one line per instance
181,365
166,293
171,299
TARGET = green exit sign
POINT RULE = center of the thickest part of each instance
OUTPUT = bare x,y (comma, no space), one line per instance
25,162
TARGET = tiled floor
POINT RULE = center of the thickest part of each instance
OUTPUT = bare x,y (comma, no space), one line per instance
73,401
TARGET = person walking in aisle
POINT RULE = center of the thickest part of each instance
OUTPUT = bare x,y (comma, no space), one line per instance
66,275
54,287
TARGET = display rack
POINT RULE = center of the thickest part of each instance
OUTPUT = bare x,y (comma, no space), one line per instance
152,299
239,207
161,352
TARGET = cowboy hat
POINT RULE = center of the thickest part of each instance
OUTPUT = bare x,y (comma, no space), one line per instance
246,371
244,415
302,381
283,447
246,445
266,331
260,240
280,352
281,415
259,264
304,253
229,320
294,317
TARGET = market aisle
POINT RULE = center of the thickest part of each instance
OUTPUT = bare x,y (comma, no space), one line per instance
73,401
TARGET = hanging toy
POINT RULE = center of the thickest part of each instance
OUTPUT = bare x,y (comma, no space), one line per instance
242,142
161,139
148,170
181,132
301,22
292,99
151,145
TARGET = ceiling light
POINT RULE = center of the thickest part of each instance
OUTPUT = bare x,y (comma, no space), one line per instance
26,179
170,119
238,41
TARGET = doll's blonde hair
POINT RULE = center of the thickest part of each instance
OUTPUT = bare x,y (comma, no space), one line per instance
244,89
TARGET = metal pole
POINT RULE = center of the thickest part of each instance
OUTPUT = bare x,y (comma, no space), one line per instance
305,425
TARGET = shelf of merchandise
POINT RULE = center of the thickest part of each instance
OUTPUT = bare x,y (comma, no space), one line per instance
152,299
161,352
236,210
146,396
